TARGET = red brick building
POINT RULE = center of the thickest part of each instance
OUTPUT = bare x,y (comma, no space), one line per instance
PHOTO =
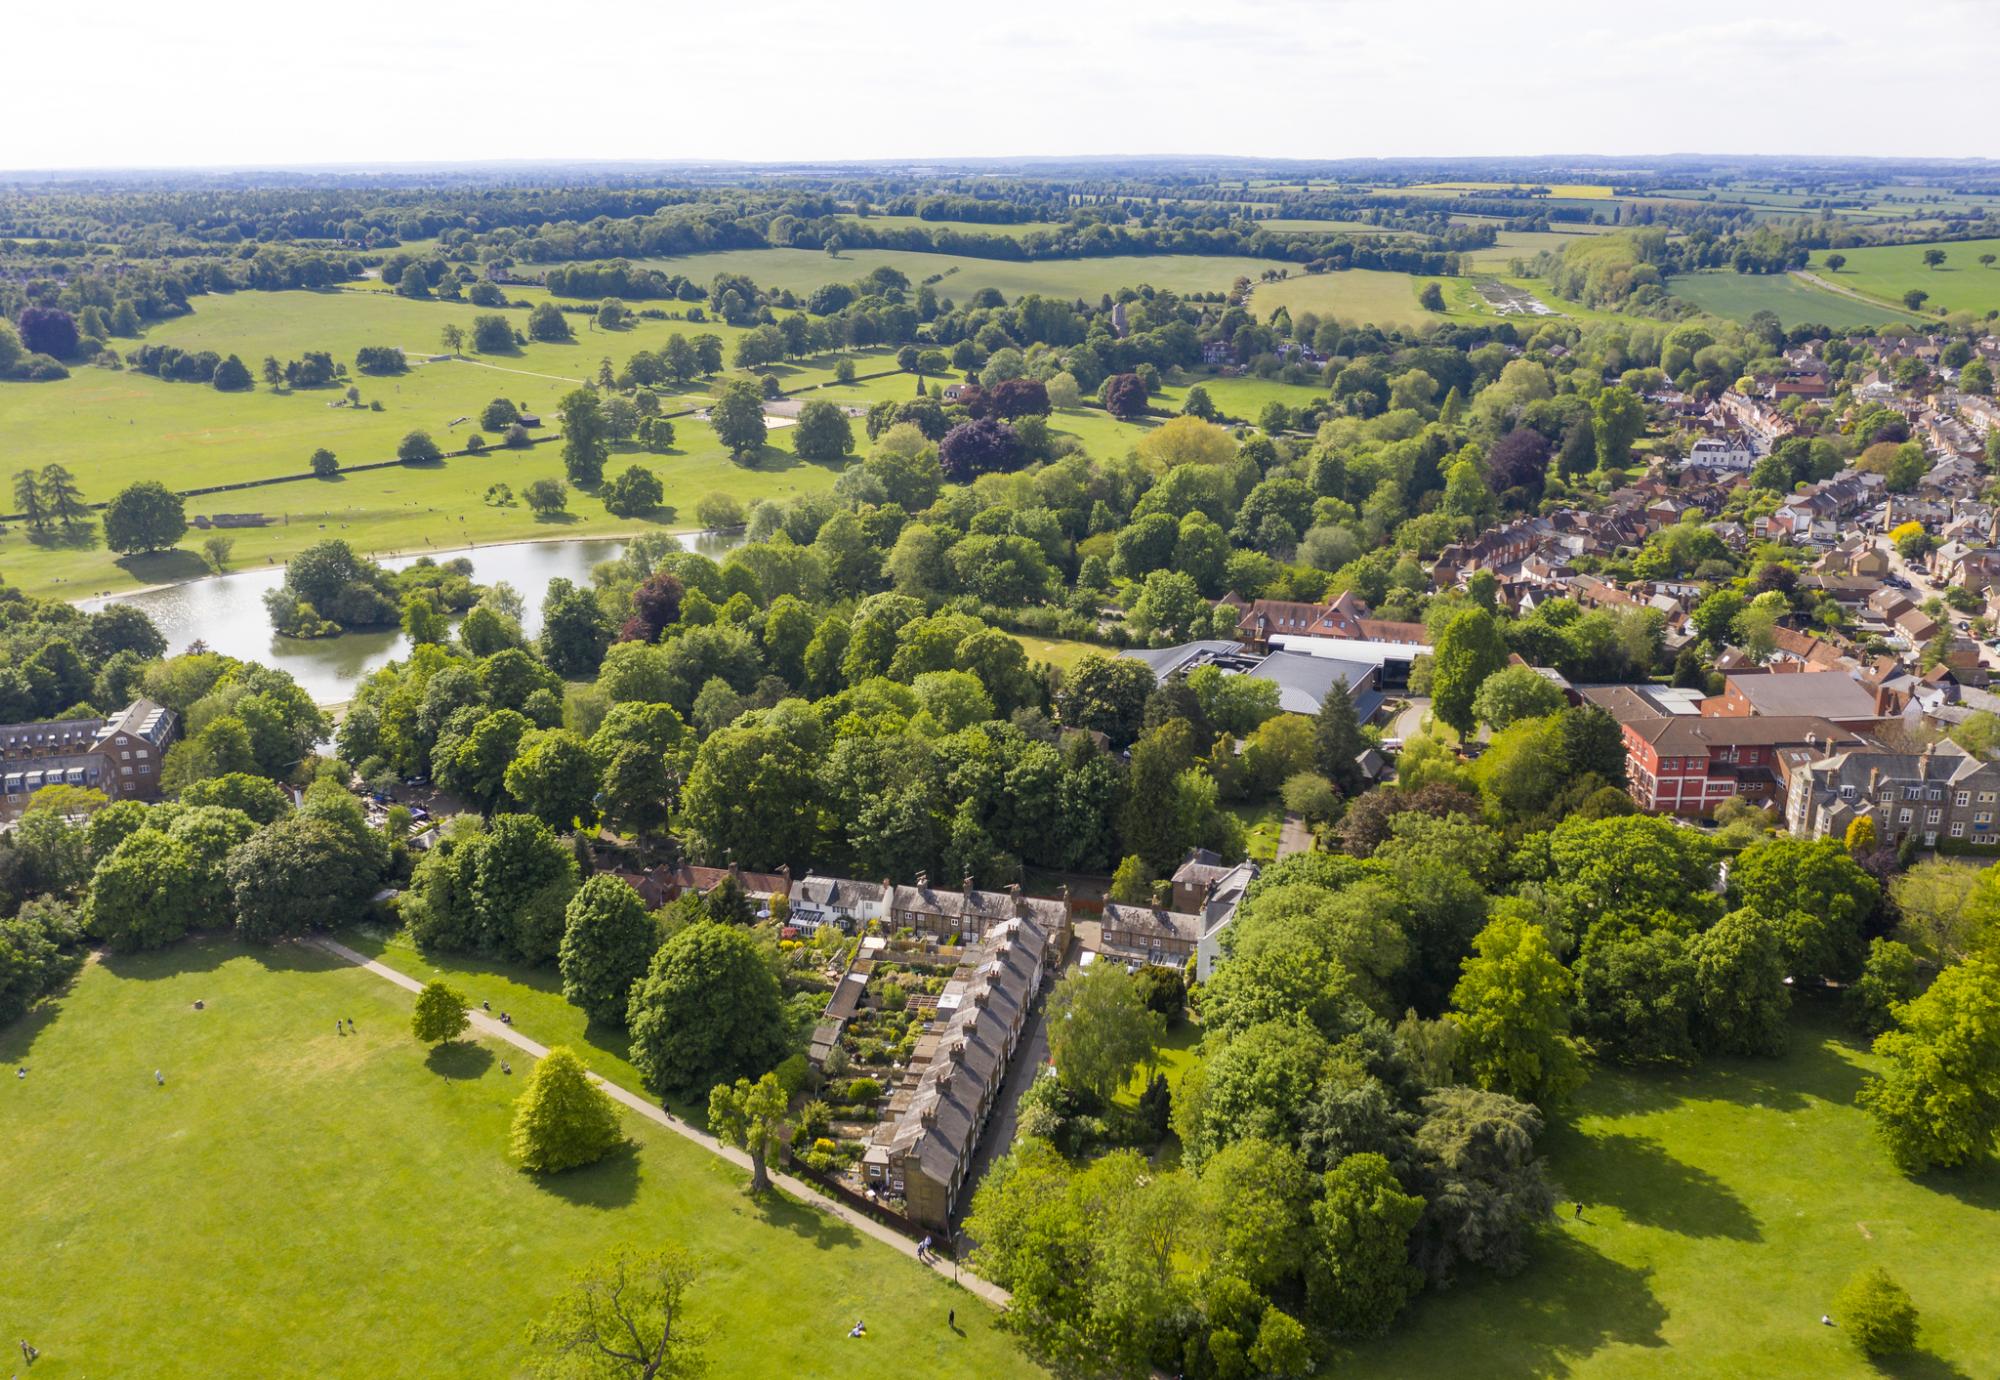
1687,765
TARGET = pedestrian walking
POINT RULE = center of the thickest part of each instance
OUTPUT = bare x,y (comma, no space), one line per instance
159,1078
1579,1209
951,1319
338,1028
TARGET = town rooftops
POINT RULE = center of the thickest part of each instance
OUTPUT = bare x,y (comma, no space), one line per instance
1628,702
1685,736
1828,694
141,719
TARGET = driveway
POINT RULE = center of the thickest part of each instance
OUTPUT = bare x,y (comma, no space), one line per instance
1410,722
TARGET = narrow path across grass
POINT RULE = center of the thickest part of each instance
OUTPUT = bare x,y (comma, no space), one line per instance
796,1188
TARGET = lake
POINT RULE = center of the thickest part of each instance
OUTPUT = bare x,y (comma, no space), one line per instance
226,612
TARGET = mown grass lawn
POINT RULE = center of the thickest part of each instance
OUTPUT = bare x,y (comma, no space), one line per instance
1262,825
1059,652
1724,1208
293,1203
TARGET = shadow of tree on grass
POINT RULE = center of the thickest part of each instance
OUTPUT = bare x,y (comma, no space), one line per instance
459,1059
1919,1365
823,1229
1650,1187
1580,1303
613,1182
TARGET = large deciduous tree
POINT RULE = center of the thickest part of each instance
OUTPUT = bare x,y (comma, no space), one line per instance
706,1010
1468,651
751,1117
144,516
624,1317
1359,1274
1937,1104
562,1120
609,940
1513,1005
1100,1030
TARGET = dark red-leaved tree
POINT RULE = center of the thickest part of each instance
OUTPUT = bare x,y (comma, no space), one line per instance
1518,460
1125,396
1018,398
656,606
971,449
49,331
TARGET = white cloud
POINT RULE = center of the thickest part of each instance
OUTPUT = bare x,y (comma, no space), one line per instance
128,83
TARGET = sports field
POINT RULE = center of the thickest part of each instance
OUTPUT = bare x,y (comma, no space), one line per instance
1960,283
1738,296
296,1203
1723,1208
958,277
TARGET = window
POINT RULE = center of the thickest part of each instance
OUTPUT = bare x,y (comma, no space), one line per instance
127,771
1912,793
125,756
1902,817
1847,792
1986,797
1933,816
1934,793
1983,817
143,754
1958,829
1930,839
1962,799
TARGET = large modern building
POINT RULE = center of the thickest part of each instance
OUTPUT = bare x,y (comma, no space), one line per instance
119,756
1303,681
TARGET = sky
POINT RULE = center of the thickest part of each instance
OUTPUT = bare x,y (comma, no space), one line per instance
231,83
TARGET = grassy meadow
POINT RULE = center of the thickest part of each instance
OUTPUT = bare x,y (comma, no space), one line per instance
1724,1208
1961,283
802,270
1364,295
296,1203
1738,296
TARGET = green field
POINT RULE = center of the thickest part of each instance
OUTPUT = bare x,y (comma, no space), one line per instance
1364,295
802,270
1889,271
1059,652
1738,296
1357,227
294,1203
958,227
410,508
112,428
1725,1206
1516,244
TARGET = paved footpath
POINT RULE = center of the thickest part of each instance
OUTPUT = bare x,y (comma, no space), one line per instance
796,1188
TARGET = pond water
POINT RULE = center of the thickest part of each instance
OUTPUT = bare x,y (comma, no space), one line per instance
227,614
